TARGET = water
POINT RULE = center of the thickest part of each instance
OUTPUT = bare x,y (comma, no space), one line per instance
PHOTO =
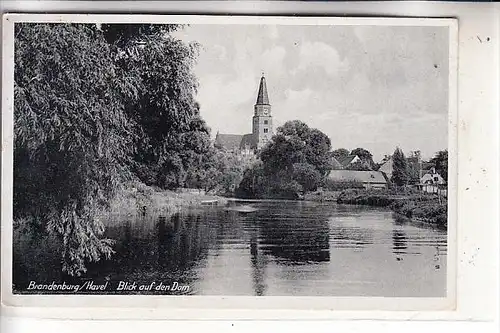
283,248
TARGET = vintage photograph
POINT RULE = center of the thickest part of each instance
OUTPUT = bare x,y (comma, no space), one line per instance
243,159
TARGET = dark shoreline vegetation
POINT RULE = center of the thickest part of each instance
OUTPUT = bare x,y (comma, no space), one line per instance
426,208
107,122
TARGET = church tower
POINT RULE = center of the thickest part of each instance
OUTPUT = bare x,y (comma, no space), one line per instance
262,125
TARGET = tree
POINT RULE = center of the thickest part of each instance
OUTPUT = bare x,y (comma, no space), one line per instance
340,153
295,142
96,106
72,136
365,156
164,106
307,176
400,173
440,163
297,159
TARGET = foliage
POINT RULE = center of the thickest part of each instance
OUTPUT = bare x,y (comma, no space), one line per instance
126,35
253,183
362,165
340,153
221,172
295,143
96,106
430,211
296,160
413,173
72,136
336,185
440,163
357,197
366,158
400,174
411,205
308,177
171,139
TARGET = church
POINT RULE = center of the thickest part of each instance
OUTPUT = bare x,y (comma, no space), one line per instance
262,128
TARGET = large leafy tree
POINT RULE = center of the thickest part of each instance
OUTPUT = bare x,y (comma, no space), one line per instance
169,133
294,143
297,159
95,106
340,153
72,136
400,170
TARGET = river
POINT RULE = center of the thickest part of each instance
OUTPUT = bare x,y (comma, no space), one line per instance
283,248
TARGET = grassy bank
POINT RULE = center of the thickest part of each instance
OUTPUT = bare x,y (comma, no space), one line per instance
139,199
418,206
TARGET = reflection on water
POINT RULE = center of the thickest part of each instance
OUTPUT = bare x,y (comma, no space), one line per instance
283,248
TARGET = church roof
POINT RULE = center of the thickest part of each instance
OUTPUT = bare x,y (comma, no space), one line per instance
229,141
248,140
262,97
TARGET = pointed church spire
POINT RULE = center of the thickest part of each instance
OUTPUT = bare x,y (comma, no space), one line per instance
262,98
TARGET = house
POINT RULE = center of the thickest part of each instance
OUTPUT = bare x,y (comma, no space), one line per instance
334,162
349,160
386,166
432,182
414,163
432,177
369,179
262,127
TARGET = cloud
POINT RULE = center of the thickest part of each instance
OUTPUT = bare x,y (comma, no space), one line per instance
272,60
364,86
319,54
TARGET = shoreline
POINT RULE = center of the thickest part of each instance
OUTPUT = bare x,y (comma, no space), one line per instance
423,208
143,200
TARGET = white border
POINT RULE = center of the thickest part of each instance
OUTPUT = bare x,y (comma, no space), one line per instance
209,310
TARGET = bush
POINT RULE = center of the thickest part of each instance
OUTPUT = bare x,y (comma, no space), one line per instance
335,185
370,198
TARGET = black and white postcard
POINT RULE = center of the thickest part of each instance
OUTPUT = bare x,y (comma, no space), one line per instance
203,158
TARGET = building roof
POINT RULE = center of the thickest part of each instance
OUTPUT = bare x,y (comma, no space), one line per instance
228,141
386,165
359,176
262,97
347,160
335,163
248,140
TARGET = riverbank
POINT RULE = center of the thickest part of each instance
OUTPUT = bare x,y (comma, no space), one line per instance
322,195
427,208
138,199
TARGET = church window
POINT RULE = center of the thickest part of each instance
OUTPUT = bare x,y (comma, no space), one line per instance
266,122
266,130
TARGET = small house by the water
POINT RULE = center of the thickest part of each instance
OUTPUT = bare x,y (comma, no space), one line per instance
369,179
432,182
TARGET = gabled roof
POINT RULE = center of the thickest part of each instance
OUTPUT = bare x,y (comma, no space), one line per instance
262,97
347,160
228,141
248,140
376,177
335,163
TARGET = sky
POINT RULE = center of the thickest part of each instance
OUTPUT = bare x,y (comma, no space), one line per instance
374,87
